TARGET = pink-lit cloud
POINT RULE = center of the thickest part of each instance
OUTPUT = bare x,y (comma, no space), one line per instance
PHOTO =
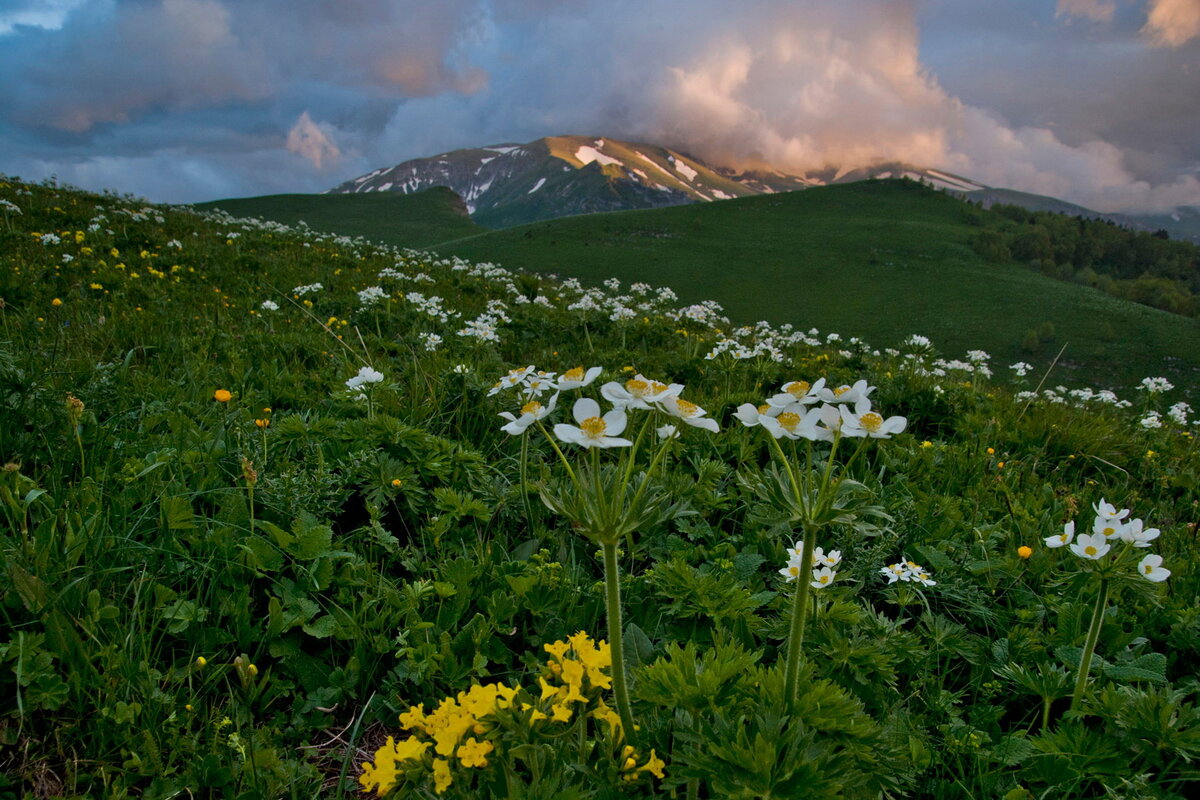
313,142
1173,22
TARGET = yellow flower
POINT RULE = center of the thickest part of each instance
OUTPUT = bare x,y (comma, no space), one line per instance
381,775
991,451
654,766
413,718
222,396
201,661
56,302
396,482
1024,551
561,713
262,423
926,443
473,753
441,775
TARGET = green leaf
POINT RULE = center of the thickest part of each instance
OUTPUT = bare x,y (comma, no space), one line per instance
321,627
638,647
1151,667
177,513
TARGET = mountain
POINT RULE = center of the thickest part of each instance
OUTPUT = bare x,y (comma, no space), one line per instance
559,176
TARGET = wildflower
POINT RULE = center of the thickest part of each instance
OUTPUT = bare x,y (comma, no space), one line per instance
1109,511
576,378
791,571
222,396
531,412
846,394
639,392
1134,534
791,425
830,559
822,577
366,375
1108,527
1156,385
201,661
473,753
513,378
1024,551
1151,420
441,775
1151,569
262,423
594,430
667,432
750,416
396,482
863,422
1095,546
1064,538
689,412
798,392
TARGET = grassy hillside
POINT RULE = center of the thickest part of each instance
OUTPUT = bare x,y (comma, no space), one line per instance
416,220
876,259
263,535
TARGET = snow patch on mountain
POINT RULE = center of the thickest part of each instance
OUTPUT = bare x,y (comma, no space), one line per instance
684,170
589,154
536,186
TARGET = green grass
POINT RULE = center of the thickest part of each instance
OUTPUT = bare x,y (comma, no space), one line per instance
877,259
416,220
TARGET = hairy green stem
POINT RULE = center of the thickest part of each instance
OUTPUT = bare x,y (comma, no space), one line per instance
1089,645
616,641
791,674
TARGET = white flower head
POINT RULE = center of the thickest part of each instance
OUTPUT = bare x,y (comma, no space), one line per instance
1109,527
531,412
1062,539
576,378
822,577
1137,535
594,430
513,378
750,416
848,394
689,412
801,392
1151,569
667,432
1094,546
639,392
1109,511
863,422
366,375
794,422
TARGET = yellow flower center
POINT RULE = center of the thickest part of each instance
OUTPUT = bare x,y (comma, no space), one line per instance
764,408
594,427
1090,550
1147,569
1109,531
686,408
794,570
575,374
841,390
823,579
788,421
870,421
532,407
635,387
658,387
797,389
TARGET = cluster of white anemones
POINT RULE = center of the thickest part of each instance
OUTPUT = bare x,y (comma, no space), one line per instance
907,572
1112,525
365,377
823,565
818,413
594,428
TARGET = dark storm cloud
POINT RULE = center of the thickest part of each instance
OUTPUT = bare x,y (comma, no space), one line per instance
187,99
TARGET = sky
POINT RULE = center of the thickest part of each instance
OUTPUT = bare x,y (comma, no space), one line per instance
1092,101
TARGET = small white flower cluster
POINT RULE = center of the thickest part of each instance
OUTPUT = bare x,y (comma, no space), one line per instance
310,288
365,377
176,244
917,342
370,296
794,413
482,328
9,206
908,572
1156,385
1179,413
67,258
707,313
432,306
50,238
1021,368
431,341
269,305
1151,421
1111,525
823,565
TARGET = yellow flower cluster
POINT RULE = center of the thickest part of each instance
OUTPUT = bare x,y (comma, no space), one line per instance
568,676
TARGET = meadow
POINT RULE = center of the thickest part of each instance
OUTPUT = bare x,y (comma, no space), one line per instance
289,514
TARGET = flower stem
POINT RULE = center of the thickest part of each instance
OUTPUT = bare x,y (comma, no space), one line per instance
1089,645
525,481
791,673
616,641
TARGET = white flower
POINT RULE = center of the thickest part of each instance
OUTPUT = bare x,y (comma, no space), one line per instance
460,369
537,383
667,432
1021,368
514,377
269,305
791,571
531,412
1064,538
639,392
1151,569
1108,527
797,392
1094,546
1156,385
1179,413
366,375
822,577
689,412
791,424
893,572
907,571
431,341
846,394
1137,536
1109,511
594,430
750,416
863,422
830,559
370,296
1151,420
576,378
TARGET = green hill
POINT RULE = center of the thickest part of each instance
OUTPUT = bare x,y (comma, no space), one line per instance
416,220
877,259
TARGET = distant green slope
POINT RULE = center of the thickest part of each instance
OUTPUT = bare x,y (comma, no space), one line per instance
416,220
876,259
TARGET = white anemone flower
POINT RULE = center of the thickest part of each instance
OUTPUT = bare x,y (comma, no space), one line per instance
1094,546
830,559
750,416
863,422
531,412
797,392
894,572
1109,527
537,383
796,550
594,430
1151,569
845,393
1136,535
576,378
792,570
639,392
1109,511
790,424
365,375
667,432
689,412
822,577
1064,538
514,377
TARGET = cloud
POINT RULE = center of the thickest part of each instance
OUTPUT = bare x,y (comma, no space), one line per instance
1173,22
1096,10
313,142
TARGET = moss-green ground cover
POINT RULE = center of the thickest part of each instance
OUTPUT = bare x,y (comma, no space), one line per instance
204,597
